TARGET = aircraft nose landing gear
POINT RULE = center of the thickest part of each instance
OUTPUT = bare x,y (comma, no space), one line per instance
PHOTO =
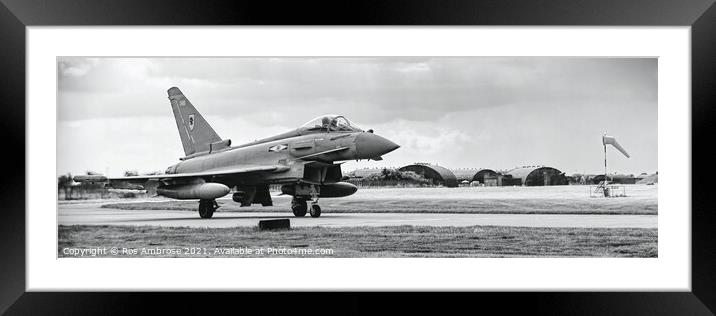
315,210
207,208
300,208
301,195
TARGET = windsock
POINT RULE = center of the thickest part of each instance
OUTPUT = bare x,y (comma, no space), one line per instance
613,141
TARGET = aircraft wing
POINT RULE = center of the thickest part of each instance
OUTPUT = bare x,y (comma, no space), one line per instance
207,173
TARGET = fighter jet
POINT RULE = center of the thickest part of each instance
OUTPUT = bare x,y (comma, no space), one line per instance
306,162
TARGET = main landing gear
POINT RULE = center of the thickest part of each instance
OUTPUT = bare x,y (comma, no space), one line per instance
207,208
300,207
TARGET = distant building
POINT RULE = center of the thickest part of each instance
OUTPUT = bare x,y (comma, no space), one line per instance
487,177
439,175
537,176
483,176
650,179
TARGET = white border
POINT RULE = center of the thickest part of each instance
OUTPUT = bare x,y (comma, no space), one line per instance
671,271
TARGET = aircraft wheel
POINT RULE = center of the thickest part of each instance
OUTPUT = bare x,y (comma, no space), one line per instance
206,208
315,210
299,207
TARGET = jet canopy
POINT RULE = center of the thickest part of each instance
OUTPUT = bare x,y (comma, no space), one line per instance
331,122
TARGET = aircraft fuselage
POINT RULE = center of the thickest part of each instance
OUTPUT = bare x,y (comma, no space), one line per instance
302,160
314,151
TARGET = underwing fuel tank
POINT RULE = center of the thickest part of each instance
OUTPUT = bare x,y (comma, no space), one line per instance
202,191
332,190
339,189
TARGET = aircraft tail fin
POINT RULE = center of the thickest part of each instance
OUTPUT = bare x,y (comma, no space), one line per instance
195,132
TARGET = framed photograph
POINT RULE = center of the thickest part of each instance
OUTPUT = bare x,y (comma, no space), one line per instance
476,147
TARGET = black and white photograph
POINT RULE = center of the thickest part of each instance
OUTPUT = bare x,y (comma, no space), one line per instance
357,157
497,154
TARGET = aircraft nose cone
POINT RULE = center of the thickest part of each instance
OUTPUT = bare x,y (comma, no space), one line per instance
369,145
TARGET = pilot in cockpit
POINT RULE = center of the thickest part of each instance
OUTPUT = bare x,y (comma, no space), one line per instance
331,123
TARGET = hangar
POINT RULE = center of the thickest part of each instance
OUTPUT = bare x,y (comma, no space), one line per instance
538,176
439,175
485,175
476,174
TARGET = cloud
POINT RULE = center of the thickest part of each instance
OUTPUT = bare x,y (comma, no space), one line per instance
461,110
75,67
378,87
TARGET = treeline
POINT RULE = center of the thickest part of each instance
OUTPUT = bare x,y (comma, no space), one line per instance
392,177
68,189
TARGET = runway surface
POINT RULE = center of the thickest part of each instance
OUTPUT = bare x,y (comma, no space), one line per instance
91,213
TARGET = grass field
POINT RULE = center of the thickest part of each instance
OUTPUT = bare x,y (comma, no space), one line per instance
396,241
640,200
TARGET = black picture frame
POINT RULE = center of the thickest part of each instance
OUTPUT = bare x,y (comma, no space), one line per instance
15,15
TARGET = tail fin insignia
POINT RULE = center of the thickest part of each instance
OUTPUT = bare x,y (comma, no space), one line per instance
195,132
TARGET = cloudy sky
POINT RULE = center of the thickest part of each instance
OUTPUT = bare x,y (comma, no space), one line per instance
113,113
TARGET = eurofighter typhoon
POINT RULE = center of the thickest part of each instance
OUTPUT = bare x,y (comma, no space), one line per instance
303,161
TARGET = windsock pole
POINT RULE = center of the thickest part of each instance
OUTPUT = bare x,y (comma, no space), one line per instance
605,164
612,141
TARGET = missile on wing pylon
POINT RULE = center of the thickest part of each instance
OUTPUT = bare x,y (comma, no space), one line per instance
339,189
